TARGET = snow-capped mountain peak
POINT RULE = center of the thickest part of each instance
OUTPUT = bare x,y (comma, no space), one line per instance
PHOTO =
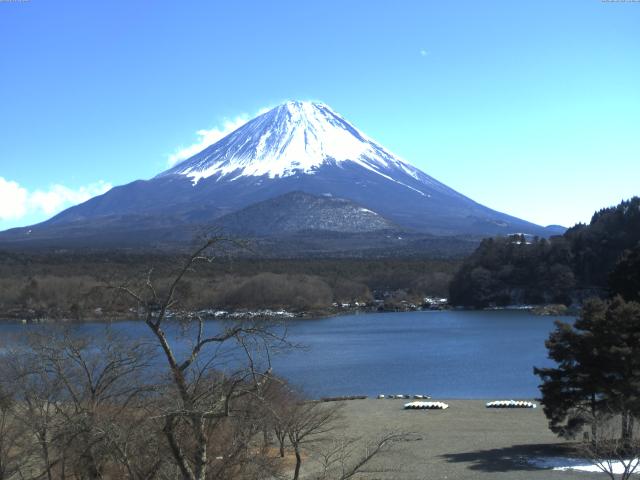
280,173
295,137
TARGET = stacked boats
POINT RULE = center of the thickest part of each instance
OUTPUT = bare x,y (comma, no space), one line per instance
511,404
401,396
426,406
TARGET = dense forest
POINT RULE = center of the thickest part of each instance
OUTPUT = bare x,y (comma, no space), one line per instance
68,285
601,258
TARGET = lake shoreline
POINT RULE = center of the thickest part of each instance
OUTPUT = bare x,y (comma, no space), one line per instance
210,314
282,314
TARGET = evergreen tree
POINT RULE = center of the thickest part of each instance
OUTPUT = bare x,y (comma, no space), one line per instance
598,369
625,278
557,270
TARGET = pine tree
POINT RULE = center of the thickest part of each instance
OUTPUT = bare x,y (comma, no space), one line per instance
625,278
598,369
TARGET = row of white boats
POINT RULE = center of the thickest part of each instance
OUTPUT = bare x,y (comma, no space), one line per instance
495,404
417,397
439,405
511,404
426,406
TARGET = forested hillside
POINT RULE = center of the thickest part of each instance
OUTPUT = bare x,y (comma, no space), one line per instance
71,285
599,258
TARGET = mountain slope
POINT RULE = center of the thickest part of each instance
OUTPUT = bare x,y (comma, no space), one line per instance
301,212
295,147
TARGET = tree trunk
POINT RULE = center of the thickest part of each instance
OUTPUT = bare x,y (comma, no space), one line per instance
178,455
627,430
296,473
201,447
45,454
91,469
281,435
594,421
623,428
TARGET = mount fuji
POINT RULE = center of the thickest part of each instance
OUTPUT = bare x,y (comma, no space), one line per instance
300,160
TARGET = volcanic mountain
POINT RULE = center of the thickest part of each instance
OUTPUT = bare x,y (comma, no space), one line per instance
295,147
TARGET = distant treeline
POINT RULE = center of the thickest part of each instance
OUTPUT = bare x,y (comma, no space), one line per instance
72,285
602,258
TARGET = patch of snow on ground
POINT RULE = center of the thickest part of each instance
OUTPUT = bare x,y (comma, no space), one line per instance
564,464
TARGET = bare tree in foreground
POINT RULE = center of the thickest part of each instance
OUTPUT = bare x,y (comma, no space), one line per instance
309,422
313,430
344,458
11,433
79,401
202,397
616,455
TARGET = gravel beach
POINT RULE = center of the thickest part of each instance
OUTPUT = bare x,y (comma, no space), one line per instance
465,441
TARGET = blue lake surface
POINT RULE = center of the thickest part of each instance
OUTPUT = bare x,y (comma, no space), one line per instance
446,354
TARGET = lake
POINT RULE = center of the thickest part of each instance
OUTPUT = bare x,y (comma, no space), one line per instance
446,354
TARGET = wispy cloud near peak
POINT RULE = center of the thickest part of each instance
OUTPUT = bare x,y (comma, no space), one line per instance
208,137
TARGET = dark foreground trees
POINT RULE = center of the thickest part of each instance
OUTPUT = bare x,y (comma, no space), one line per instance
597,378
564,269
625,277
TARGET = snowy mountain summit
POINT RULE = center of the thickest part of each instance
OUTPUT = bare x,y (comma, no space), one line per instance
295,137
296,169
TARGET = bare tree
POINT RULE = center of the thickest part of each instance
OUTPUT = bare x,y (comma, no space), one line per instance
101,381
201,395
615,450
344,458
39,392
79,398
278,401
308,423
11,435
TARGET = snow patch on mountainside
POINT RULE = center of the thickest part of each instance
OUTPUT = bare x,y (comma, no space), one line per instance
294,138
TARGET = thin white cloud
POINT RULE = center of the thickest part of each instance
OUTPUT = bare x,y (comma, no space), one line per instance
58,196
13,200
17,202
211,136
424,53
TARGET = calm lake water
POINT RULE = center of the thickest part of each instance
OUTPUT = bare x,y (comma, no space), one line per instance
446,354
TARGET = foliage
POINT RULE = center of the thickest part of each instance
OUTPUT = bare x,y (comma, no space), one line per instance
625,278
598,369
510,270
563,269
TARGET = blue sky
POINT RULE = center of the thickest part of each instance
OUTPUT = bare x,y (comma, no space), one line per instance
531,107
